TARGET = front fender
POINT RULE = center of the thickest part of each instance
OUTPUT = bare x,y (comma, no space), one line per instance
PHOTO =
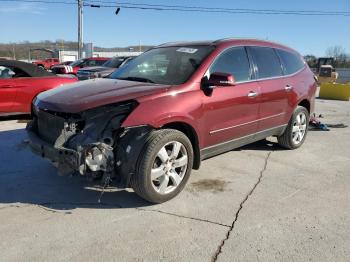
182,107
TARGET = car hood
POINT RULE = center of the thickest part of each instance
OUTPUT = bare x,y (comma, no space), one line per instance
80,96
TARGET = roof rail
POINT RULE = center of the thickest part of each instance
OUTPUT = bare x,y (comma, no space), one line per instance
170,43
245,38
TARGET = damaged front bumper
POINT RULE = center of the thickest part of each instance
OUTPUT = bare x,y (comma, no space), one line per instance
91,144
97,156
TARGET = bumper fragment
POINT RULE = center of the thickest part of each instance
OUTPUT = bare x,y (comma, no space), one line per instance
67,159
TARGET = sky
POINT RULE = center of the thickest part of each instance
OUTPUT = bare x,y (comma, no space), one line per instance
307,34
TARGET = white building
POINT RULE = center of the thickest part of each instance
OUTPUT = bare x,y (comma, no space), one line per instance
64,55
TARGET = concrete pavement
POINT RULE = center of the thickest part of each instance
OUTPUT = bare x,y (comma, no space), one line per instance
259,202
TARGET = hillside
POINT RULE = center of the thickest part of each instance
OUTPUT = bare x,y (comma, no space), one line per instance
21,50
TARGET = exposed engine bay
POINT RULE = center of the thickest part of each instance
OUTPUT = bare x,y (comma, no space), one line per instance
91,143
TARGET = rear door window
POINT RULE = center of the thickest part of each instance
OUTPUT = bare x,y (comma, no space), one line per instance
292,62
267,62
233,61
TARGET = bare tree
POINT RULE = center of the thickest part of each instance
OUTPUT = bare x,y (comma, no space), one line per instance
337,51
311,60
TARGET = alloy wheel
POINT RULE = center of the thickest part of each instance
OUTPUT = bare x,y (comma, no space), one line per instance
299,128
169,167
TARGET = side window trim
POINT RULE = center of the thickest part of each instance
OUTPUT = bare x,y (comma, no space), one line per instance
283,69
252,64
252,73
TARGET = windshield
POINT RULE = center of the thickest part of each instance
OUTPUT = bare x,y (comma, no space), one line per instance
115,62
77,63
165,65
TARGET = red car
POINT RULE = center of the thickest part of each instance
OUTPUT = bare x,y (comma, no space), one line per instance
75,66
175,105
20,82
47,63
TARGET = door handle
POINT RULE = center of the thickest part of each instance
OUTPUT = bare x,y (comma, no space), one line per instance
252,94
288,87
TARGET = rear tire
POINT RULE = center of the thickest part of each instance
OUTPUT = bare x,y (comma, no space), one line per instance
164,166
295,133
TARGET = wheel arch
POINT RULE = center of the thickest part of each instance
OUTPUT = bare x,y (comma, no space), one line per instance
305,103
191,133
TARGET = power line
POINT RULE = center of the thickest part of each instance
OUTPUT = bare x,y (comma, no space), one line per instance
227,11
216,8
198,9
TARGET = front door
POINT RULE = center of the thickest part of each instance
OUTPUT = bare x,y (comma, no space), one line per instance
231,112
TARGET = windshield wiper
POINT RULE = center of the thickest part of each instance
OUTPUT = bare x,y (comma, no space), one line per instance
135,78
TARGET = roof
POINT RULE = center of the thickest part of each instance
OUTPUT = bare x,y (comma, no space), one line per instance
30,69
187,43
238,41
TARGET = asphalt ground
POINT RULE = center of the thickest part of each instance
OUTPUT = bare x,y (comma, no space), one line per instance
256,203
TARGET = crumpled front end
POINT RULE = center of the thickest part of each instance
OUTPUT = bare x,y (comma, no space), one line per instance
85,143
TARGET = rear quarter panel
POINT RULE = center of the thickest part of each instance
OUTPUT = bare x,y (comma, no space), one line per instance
304,88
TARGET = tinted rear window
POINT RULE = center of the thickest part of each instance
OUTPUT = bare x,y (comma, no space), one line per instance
267,62
291,62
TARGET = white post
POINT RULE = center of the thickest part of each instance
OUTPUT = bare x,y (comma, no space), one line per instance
80,29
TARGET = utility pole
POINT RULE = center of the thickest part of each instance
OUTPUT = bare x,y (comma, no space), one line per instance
14,52
80,29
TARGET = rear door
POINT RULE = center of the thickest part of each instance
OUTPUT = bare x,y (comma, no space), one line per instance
273,96
294,85
231,112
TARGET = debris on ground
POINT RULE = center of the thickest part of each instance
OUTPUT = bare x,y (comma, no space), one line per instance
315,124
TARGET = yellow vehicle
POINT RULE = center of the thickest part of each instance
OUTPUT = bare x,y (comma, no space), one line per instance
327,79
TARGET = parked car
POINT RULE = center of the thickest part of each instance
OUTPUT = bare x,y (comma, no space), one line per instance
154,120
20,82
47,63
75,66
102,71
66,63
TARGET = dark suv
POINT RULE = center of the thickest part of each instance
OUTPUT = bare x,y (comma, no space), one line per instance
156,118
104,70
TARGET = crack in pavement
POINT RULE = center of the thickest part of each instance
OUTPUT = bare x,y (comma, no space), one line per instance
46,206
182,216
219,249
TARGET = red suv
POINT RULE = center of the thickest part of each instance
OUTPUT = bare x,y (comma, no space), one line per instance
156,118
47,63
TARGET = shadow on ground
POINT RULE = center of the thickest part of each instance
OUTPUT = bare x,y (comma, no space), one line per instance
262,145
19,118
29,179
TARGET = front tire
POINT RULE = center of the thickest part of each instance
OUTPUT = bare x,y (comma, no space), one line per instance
164,166
296,131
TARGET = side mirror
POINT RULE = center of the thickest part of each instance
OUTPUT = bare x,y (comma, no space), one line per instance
220,79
